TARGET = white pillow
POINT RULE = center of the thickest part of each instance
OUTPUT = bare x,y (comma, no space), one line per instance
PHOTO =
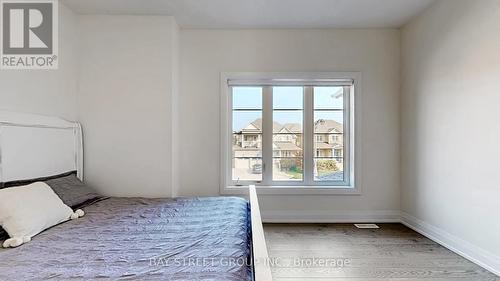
27,210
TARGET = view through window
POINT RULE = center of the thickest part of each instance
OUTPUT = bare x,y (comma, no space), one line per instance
307,139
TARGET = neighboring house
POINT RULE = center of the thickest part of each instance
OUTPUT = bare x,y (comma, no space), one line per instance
250,136
329,139
287,142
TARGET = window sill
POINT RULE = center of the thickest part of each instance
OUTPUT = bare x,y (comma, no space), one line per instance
293,190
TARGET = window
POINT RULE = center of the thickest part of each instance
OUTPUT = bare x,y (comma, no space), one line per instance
247,134
288,113
289,132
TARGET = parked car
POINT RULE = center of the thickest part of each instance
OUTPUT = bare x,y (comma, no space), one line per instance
257,169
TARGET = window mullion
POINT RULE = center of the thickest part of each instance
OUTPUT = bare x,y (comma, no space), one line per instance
229,136
347,135
267,134
308,139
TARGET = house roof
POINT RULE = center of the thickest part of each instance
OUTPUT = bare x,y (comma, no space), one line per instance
323,145
258,124
322,126
286,146
293,127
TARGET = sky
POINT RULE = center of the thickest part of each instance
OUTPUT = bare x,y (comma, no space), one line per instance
290,98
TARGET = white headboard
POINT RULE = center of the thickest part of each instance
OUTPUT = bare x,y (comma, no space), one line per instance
35,146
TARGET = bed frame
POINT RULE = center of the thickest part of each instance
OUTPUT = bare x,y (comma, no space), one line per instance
260,257
35,146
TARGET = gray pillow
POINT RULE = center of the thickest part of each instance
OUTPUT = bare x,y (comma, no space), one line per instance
74,192
3,234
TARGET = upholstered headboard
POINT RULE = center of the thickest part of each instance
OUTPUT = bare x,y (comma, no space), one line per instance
35,146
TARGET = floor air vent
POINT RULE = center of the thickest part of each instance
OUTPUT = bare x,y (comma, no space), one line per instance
366,225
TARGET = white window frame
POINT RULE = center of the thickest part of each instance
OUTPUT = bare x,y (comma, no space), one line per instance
351,186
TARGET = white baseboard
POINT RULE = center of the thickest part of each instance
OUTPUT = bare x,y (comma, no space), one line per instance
467,250
330,216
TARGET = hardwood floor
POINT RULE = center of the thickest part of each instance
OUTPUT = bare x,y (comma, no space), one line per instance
342,252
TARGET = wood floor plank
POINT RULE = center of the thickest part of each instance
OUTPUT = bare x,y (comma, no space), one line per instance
393,253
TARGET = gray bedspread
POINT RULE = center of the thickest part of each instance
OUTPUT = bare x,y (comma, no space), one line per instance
140,239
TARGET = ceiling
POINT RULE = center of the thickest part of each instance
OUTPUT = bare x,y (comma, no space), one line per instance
264,13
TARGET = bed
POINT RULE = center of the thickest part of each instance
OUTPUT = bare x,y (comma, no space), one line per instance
212,238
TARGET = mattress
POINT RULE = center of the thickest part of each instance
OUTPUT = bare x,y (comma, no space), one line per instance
140,239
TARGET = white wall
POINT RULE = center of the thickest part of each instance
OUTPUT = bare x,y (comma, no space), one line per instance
207,53
126,88
450,131
47,92
175,114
